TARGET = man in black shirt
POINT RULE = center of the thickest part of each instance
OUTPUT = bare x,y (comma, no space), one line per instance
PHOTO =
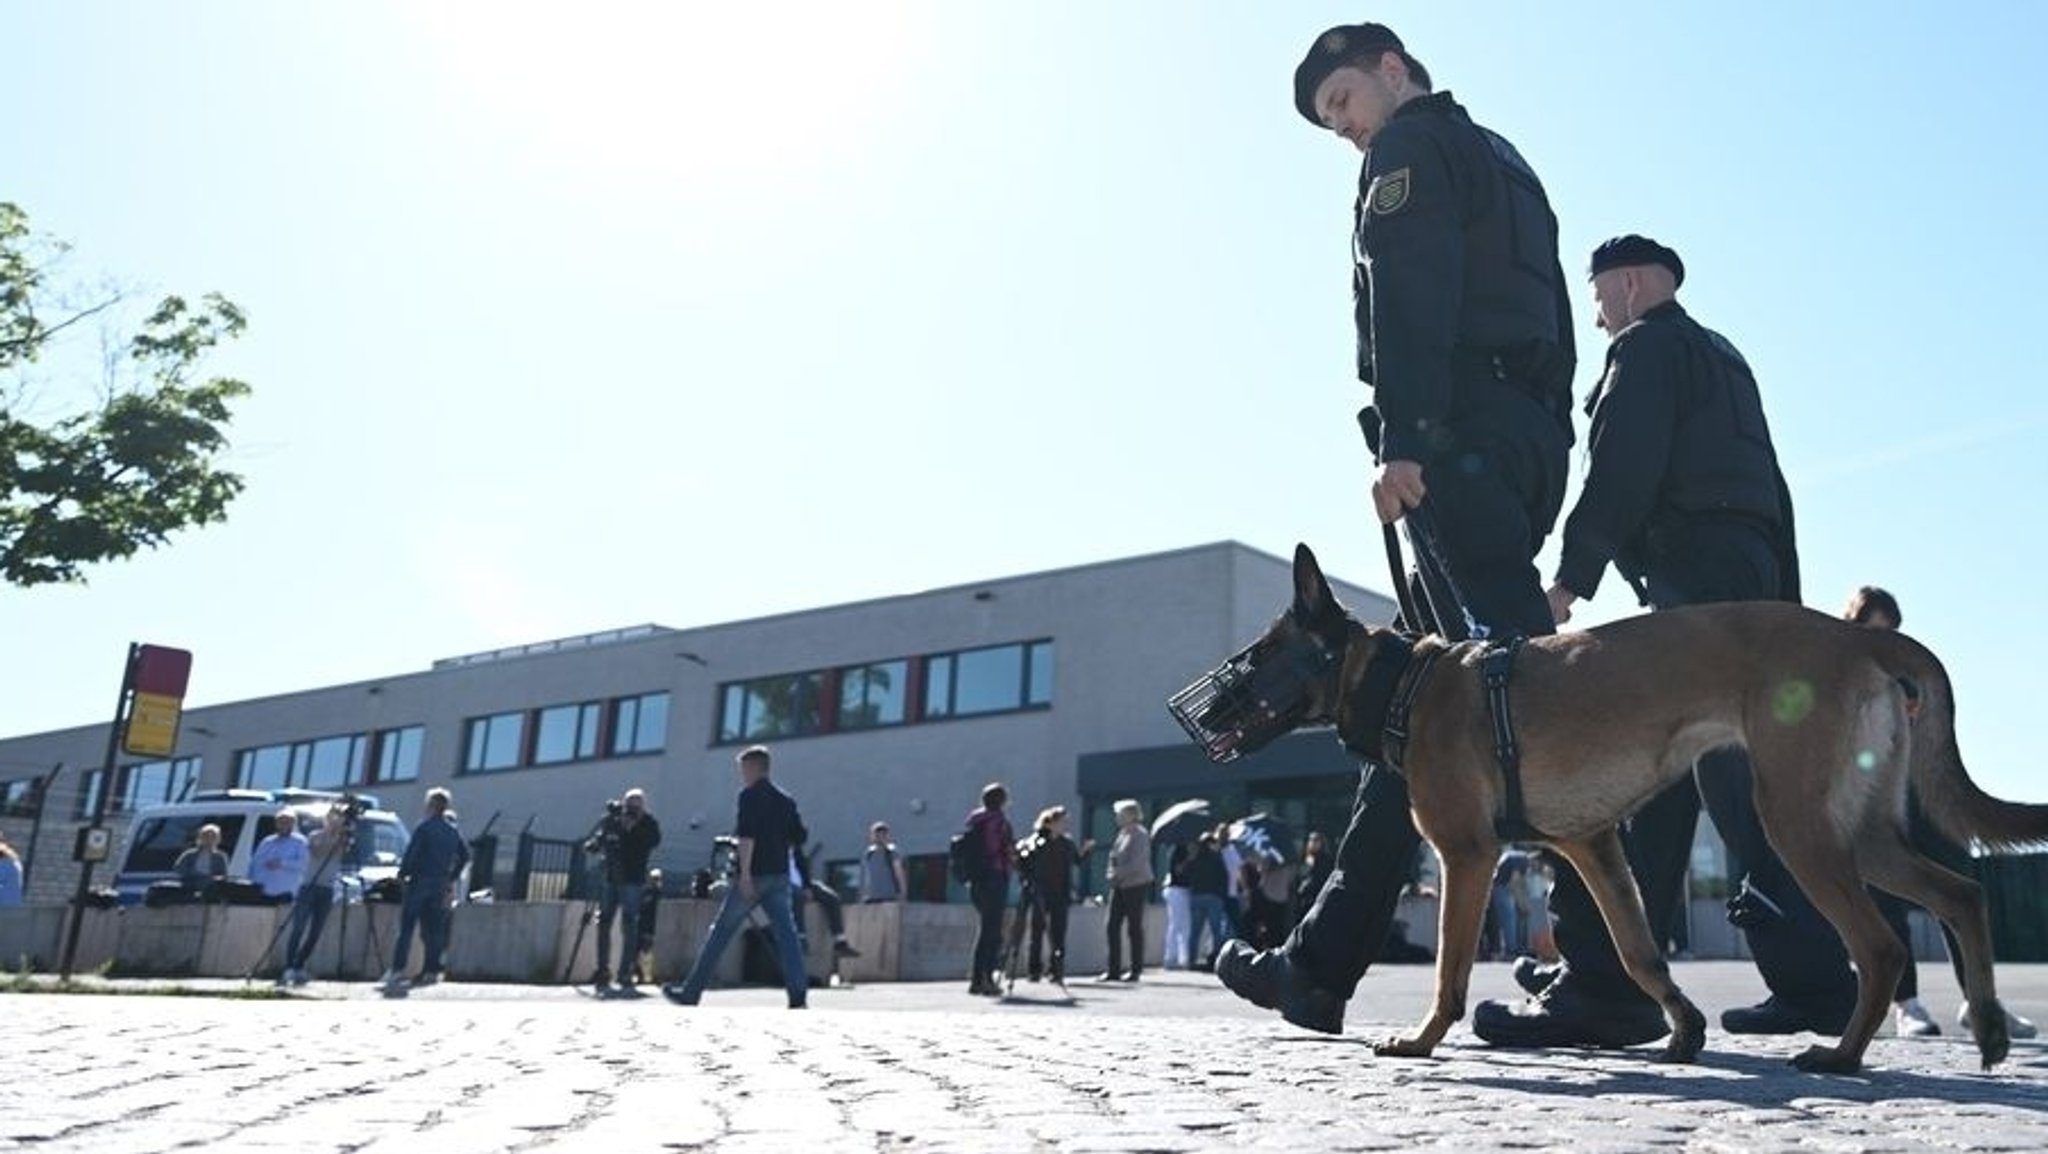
1464,336
766,821
1684,496
626,839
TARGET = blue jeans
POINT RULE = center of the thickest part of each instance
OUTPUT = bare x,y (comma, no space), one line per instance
309,916
772,895
619,897
1207,910
426,907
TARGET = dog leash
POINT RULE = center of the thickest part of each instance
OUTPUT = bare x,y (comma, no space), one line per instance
1447,604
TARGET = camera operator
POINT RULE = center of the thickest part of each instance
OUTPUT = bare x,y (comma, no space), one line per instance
1049,859
626,837
328,849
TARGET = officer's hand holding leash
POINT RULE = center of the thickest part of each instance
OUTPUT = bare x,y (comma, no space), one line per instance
1561,600
1396,489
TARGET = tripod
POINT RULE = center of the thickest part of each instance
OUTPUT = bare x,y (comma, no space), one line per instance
592,905
369,915
594,843
1030,906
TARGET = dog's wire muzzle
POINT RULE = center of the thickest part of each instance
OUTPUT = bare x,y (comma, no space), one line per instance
1260,693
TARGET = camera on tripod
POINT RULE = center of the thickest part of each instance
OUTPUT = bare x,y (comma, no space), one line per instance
605,838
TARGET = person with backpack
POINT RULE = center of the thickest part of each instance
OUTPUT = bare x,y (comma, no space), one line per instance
983,854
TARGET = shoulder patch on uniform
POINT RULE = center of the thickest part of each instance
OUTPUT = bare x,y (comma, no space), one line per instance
1389,193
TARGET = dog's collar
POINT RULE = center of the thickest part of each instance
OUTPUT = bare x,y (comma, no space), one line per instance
1373,721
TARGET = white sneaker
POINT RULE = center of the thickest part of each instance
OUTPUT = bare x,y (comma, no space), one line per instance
1912,1019
2016,1027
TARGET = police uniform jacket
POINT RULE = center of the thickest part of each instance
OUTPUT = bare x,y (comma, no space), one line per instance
1678,442
1459,298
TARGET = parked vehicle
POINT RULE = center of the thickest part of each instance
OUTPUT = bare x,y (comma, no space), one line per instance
158,833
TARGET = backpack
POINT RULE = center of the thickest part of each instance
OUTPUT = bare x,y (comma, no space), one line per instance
968,854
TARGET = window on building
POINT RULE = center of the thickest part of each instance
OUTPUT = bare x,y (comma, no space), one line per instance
398,753
18,797
1038,674
787,705
144,783
991,680
265,767
566,733
334,763
874,695
640,724
494,742
330,763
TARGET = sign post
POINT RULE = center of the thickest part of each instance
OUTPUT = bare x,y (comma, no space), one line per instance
146,717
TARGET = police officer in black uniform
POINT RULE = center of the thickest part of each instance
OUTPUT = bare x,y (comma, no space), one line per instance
1684,496
1464,335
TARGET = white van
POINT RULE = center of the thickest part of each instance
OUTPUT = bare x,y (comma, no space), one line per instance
159,833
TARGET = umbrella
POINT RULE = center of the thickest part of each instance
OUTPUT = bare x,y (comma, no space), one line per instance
1182,822
1265,836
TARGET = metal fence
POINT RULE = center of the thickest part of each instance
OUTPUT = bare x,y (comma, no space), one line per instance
550,869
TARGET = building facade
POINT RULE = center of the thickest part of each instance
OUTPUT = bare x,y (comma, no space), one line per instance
898,709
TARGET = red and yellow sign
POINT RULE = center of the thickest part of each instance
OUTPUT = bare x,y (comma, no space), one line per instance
158,681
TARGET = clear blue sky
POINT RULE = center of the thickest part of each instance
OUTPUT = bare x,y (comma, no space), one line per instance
578,316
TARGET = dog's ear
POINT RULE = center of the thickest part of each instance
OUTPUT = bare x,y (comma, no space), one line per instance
1312,596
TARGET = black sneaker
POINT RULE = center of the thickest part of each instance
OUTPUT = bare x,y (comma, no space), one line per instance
844,949
603,977
1267,979
675,994
1774,1015
1534,975
1563,1015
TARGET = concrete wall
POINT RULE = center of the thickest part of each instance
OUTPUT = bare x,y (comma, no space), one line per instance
533,941
509,941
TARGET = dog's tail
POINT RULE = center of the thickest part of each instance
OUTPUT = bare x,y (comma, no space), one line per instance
1950,799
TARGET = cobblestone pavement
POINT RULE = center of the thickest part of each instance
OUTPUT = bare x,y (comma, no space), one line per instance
1175,1065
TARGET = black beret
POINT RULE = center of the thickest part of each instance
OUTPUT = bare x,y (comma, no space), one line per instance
1631,250
1341,45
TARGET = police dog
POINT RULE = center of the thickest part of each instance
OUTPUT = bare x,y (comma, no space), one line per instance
1837,719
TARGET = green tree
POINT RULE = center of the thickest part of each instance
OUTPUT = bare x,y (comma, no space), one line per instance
138,464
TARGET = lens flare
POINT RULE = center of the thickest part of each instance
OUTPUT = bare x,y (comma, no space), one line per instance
1866,761
1793,702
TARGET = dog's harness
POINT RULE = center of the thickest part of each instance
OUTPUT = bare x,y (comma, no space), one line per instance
1496,667
1393,679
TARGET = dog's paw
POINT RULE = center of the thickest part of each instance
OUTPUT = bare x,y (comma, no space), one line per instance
1399,1047
1682,1051
1988,1027
1826,1060
1688,1039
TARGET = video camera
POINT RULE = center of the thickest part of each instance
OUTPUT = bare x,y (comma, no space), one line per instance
352,807
605,838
